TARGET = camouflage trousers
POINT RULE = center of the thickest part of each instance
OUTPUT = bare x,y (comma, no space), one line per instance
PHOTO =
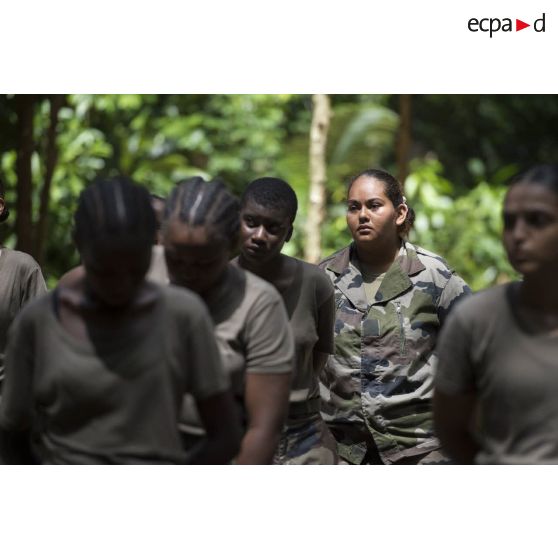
306,440
356,447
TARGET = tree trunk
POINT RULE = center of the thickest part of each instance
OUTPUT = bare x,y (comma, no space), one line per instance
321,114
56,103
404,138
25,105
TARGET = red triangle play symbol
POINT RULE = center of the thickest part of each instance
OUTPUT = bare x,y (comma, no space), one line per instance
519,25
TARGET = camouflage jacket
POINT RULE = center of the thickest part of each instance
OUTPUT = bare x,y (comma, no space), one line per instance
379,381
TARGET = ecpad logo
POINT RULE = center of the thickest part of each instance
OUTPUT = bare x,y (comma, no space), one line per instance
493,25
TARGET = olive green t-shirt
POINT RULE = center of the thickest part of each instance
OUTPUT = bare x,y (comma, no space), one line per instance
115,398
20,281
483,349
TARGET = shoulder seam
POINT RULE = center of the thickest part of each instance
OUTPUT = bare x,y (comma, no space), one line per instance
436,257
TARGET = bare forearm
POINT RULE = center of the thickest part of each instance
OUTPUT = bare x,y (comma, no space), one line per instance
258,447
266,397
219,416
453,416
319,361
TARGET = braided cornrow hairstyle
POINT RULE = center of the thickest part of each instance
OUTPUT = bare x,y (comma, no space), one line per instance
114,207
196,202
5,212
393,190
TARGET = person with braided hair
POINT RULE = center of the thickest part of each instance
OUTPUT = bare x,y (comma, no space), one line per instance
392,299
200,232
269,207
21,280
96,370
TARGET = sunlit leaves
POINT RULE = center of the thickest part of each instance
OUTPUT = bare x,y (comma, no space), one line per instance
464,229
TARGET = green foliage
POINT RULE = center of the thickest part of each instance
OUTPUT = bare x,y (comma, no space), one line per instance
464,229
504,133
158,140
465,147
361,134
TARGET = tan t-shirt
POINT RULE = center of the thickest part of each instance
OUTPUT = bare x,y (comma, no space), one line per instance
482,348
310,304
117,399
252,331
371,280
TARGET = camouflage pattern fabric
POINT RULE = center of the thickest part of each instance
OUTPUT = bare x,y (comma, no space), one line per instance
377,388
306,441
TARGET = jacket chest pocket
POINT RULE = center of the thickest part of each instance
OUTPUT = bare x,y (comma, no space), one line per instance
417,326
401,329
384,327
347,317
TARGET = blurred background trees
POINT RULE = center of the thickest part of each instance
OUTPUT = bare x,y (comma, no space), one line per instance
454,152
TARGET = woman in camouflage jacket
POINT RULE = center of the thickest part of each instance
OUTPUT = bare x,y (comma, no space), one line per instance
391,301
